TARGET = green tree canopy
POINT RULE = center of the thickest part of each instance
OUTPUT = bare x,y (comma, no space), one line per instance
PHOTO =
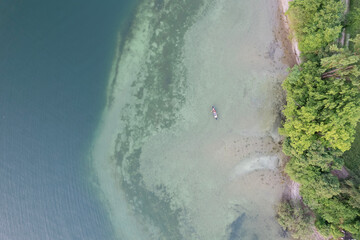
323,102
316,22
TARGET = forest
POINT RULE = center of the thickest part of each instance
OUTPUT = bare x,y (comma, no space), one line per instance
321,116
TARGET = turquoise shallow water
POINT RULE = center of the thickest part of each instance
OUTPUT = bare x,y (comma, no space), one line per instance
166,168
55,60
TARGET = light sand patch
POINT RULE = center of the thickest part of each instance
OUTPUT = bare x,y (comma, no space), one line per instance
255,163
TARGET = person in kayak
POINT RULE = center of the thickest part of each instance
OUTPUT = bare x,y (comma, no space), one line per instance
214,112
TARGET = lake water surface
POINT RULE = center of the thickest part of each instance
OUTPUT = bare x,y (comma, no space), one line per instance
55,59
165,167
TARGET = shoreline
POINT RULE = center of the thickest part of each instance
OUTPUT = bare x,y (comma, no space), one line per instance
288,42
292,57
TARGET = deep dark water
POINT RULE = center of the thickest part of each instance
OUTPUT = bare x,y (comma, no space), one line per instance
54,66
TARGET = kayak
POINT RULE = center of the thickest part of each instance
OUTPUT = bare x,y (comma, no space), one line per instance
214,112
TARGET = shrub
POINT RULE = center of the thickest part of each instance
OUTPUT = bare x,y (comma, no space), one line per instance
295,219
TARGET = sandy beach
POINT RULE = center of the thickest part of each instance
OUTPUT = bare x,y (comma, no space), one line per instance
292,54
293,46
